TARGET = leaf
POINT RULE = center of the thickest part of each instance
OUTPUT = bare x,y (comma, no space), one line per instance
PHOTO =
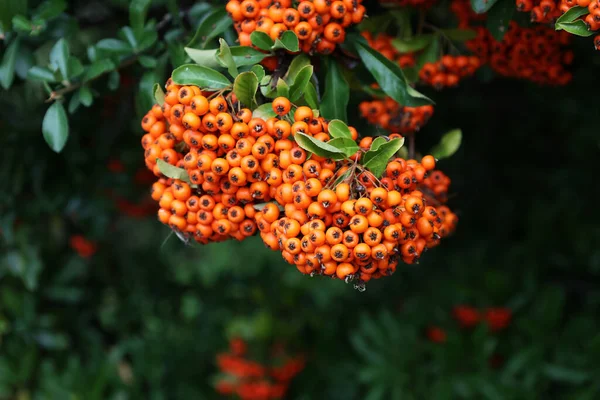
283,90
114,80
137,15
376,160
431,53
245,87
298,86
415,43
572,14
266,87
159,94
226,59
40,74
7,68
85,96
499,17
59,57
20,23
114,46
264,111
481,6
297,65
378,142
578,28
259,71
171,171
203,77
565,374
310,96
147,61
448,145
337,93
261,40
206,58
288,41
318,147
390,77
211,27
460,35
348,146
74,103
74,67
98,68
245,55
55,127
338,129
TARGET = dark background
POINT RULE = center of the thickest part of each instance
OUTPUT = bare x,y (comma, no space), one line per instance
145,316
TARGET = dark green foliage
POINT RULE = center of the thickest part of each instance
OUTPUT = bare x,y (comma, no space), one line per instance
144,317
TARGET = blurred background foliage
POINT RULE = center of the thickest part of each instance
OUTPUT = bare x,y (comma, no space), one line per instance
134,313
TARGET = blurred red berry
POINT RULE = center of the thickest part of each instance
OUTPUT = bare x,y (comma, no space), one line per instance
82,246
436,334
466,316
498,318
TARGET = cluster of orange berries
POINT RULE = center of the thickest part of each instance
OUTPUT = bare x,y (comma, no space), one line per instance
393,117
532,53
448,71
320,25
251,380
356,230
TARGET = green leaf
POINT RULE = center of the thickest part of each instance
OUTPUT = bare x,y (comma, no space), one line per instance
137,15
288,41
318,147
128,34
59,58
98,68
297,64
390,77
8,9
245,55
565,374
415,43
226,59
24,62
572,14
578,28
20,23
74,67
499,17
376,160
206,58
283,89
147,61
50,9
348,146
337,93
85,96
448,145
159,94
310,96
114,46
431,53
339,129
205,78
114,80
211,27
482,6
266,87
55,127
74,103
245,88
149,37
377,143
171,171
264,111
299,84
460,35
7,68
261,40
259,71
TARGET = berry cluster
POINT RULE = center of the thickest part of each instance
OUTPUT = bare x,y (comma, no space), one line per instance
534,53
496,318
359,228
448,71
251,380
235,173
319,24
393,117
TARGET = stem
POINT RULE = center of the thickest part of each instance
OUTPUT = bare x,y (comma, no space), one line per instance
421,24
58,94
